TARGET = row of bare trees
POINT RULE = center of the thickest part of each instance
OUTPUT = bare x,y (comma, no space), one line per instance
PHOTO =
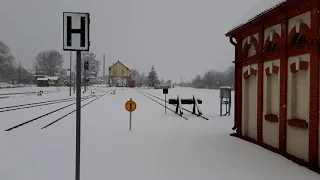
214,79
10,70
50,63
46,63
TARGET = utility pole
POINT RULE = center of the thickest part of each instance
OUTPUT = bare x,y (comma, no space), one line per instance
70,83
85,80
104,66
74,84
19,72
36,74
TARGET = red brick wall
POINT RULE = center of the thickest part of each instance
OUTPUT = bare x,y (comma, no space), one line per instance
285,50
314,89
314,110
238,78
260,85
283,91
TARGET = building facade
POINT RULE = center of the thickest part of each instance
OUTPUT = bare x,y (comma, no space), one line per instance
277,80
119,74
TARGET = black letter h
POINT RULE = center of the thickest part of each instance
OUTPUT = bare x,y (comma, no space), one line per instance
80,31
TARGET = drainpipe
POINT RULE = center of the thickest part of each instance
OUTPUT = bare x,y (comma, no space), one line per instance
235,80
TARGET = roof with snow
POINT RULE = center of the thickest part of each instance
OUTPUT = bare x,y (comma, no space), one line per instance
225,87
127,65
261,8
54,78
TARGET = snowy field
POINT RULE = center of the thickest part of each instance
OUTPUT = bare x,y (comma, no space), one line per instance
159,147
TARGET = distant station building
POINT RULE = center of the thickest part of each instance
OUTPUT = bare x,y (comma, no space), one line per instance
277,80
47,81
119,74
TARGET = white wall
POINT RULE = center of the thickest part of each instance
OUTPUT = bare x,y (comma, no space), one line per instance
252,50
298,138
302,18
249,104
275,29
270,132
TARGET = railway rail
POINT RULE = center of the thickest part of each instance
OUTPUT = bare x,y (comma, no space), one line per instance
54,111
168,103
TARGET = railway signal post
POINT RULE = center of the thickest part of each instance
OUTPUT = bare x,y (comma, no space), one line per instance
76,38
130,106
165,92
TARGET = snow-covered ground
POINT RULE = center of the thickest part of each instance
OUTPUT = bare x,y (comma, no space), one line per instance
7,85
160,146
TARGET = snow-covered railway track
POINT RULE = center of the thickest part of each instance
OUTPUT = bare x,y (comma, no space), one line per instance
57,110
168,103
57,120
38,104
146,95
29,93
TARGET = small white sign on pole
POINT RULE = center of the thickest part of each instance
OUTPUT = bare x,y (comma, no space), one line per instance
76,31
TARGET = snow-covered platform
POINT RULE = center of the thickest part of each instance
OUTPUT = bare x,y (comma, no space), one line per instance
159,147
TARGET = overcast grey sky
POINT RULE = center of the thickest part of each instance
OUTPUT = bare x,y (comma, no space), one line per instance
179,37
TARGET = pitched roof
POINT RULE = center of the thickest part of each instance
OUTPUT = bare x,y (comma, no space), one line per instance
125,64
128,65
261,8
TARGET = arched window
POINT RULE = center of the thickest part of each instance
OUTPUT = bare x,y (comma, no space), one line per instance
299,38
246,50
271,46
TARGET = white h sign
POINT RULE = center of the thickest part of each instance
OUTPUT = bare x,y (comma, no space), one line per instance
76,31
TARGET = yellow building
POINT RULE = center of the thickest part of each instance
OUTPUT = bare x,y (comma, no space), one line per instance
119,74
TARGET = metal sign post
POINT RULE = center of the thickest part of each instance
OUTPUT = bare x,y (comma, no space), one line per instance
130,115
165,92
130,106
78,115
165,103
76,24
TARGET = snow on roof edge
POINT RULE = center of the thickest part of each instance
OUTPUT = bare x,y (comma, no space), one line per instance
55,78
128,65
258,12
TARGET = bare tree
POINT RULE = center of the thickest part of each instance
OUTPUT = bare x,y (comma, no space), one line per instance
49,62
6,60
94,64
134,74
214,79
141,80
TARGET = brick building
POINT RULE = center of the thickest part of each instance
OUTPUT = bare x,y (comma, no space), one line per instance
277,80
